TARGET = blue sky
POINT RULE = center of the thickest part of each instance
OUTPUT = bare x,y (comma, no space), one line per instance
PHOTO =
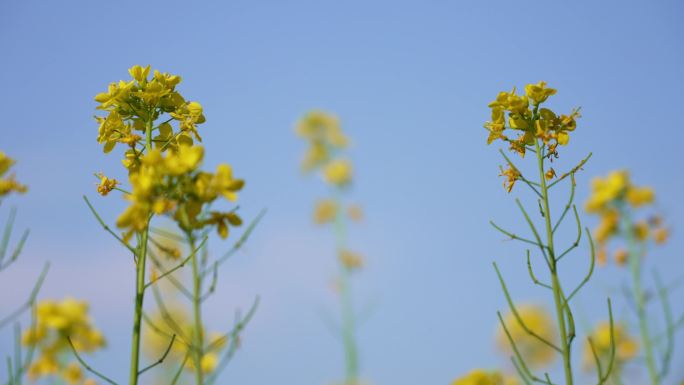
410,81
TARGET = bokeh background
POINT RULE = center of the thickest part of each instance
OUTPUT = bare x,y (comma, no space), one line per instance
411,81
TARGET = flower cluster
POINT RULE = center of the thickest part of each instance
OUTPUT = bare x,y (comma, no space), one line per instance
163,161
614,199
171,184
536,319
55,321
135,105
7,183
626,347
157,341
523,117
325,138
483,377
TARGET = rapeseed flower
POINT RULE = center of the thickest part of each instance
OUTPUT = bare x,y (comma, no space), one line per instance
520,120
484,377
55,321
8,183
626,347
616,200
134,105
536,319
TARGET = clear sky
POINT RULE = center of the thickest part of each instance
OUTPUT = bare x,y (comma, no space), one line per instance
411,81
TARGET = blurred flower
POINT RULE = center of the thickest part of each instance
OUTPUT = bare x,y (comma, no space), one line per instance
483,377
55,321
350,260
536,319
325,211
338,172
626,347
616,200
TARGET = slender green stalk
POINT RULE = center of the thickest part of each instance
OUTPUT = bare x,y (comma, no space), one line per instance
640,300
198,333
558,297
347,308
140,282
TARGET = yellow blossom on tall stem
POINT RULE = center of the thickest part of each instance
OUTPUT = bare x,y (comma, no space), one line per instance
619,202
158,129
323,133
527,125
59,327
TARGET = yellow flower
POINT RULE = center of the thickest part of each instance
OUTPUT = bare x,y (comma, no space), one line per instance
209,362
660,235
626,347
355,213
137,104
106,184
350,260
224,183
72,373
7,183
539,92
641,230
536,319
483,377
550,174
606,190
186,159
639,196
56,320
338,172
139,73
621,256
222,220
608,226
325,211
512,175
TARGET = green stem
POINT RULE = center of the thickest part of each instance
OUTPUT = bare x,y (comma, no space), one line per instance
555,281
139,297
198,334
639,299
347,308
140,283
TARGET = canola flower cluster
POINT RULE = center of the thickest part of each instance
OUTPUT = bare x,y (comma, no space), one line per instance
55,322
626,347
134,105
157,341
8,183
614,198
163,162
537,319
520,121
325,138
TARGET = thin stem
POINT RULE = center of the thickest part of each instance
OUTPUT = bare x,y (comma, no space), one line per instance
198,333
348,321
555,281
161,359
669,322
140,276
88,368
634,257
